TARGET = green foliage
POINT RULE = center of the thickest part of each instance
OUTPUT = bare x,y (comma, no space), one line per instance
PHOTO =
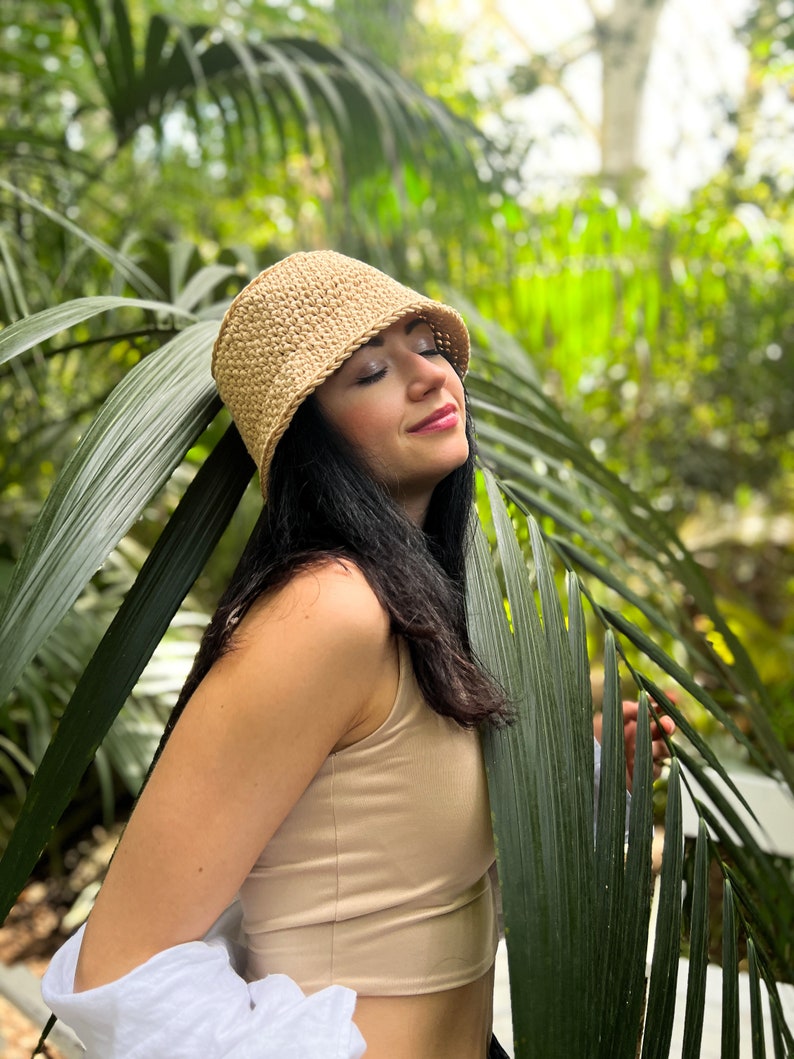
577,913
671,338
669,344
596,525
132,96
31,714
101,97
140,622
154,160
602,526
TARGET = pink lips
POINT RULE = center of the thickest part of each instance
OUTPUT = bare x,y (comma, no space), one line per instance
443,418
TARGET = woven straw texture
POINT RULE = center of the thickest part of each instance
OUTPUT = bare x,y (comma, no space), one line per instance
293,326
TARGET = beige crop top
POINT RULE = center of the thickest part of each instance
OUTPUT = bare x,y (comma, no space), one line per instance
378,878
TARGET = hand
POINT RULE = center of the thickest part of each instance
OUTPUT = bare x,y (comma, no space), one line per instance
664,726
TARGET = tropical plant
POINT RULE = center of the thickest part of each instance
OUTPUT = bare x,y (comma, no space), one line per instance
101,98
668,341
32,713
577,911
96,97
101,95
570,904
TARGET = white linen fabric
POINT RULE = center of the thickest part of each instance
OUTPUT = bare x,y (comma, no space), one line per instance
597,788
190,1001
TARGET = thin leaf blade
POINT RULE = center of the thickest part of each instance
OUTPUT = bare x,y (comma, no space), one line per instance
138,437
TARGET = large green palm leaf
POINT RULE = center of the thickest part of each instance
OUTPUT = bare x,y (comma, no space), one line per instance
165,579
131,448
548,469
577,912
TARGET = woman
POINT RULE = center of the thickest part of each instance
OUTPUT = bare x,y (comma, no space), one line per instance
325,763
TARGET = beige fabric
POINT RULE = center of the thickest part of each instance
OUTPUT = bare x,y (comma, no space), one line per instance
293,326
378,879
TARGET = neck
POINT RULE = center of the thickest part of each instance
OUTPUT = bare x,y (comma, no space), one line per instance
415,506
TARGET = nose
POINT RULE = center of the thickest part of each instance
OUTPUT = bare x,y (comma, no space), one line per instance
427,374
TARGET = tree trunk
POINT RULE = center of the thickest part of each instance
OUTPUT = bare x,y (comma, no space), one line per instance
626,39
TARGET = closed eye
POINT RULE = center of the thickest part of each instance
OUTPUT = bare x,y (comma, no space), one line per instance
376,376
367,380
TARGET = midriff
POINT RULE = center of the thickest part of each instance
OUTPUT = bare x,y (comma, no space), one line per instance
452,1024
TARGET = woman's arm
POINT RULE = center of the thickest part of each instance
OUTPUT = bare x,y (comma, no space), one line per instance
310,670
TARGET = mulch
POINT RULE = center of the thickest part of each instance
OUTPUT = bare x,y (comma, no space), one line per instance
46,913
30,935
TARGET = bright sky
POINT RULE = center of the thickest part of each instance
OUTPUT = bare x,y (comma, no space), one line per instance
697,71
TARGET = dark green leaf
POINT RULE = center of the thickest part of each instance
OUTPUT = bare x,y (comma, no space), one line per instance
756,1010
170,570
610,840
729,1042
620,1039
18,337
698,949
664,966
134,275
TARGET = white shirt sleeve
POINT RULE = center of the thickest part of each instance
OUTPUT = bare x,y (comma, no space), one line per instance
189,1001
597,788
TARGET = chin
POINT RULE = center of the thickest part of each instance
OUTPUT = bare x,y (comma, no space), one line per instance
455,461
460,457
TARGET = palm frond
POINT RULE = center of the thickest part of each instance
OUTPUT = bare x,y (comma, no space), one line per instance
30,331
540,779
698,949
598,524
576,913
370,114
133,444
666,950
138,280
537,773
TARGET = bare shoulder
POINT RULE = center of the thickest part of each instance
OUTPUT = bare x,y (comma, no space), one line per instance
329,603
313,651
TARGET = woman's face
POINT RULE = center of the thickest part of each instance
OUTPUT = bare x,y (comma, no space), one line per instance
400,403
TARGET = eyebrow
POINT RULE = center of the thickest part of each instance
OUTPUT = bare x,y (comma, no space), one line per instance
409,327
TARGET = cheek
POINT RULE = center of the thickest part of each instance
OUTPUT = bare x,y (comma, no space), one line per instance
364,428
455,387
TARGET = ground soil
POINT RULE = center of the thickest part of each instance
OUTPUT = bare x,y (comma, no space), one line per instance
20,1036
47,912
30,935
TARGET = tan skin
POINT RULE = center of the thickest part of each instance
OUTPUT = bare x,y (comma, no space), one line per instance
314,670
665,726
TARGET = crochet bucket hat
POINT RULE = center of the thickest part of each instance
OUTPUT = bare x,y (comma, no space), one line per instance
292,327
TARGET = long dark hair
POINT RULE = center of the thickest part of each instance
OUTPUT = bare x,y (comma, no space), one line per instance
323,504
